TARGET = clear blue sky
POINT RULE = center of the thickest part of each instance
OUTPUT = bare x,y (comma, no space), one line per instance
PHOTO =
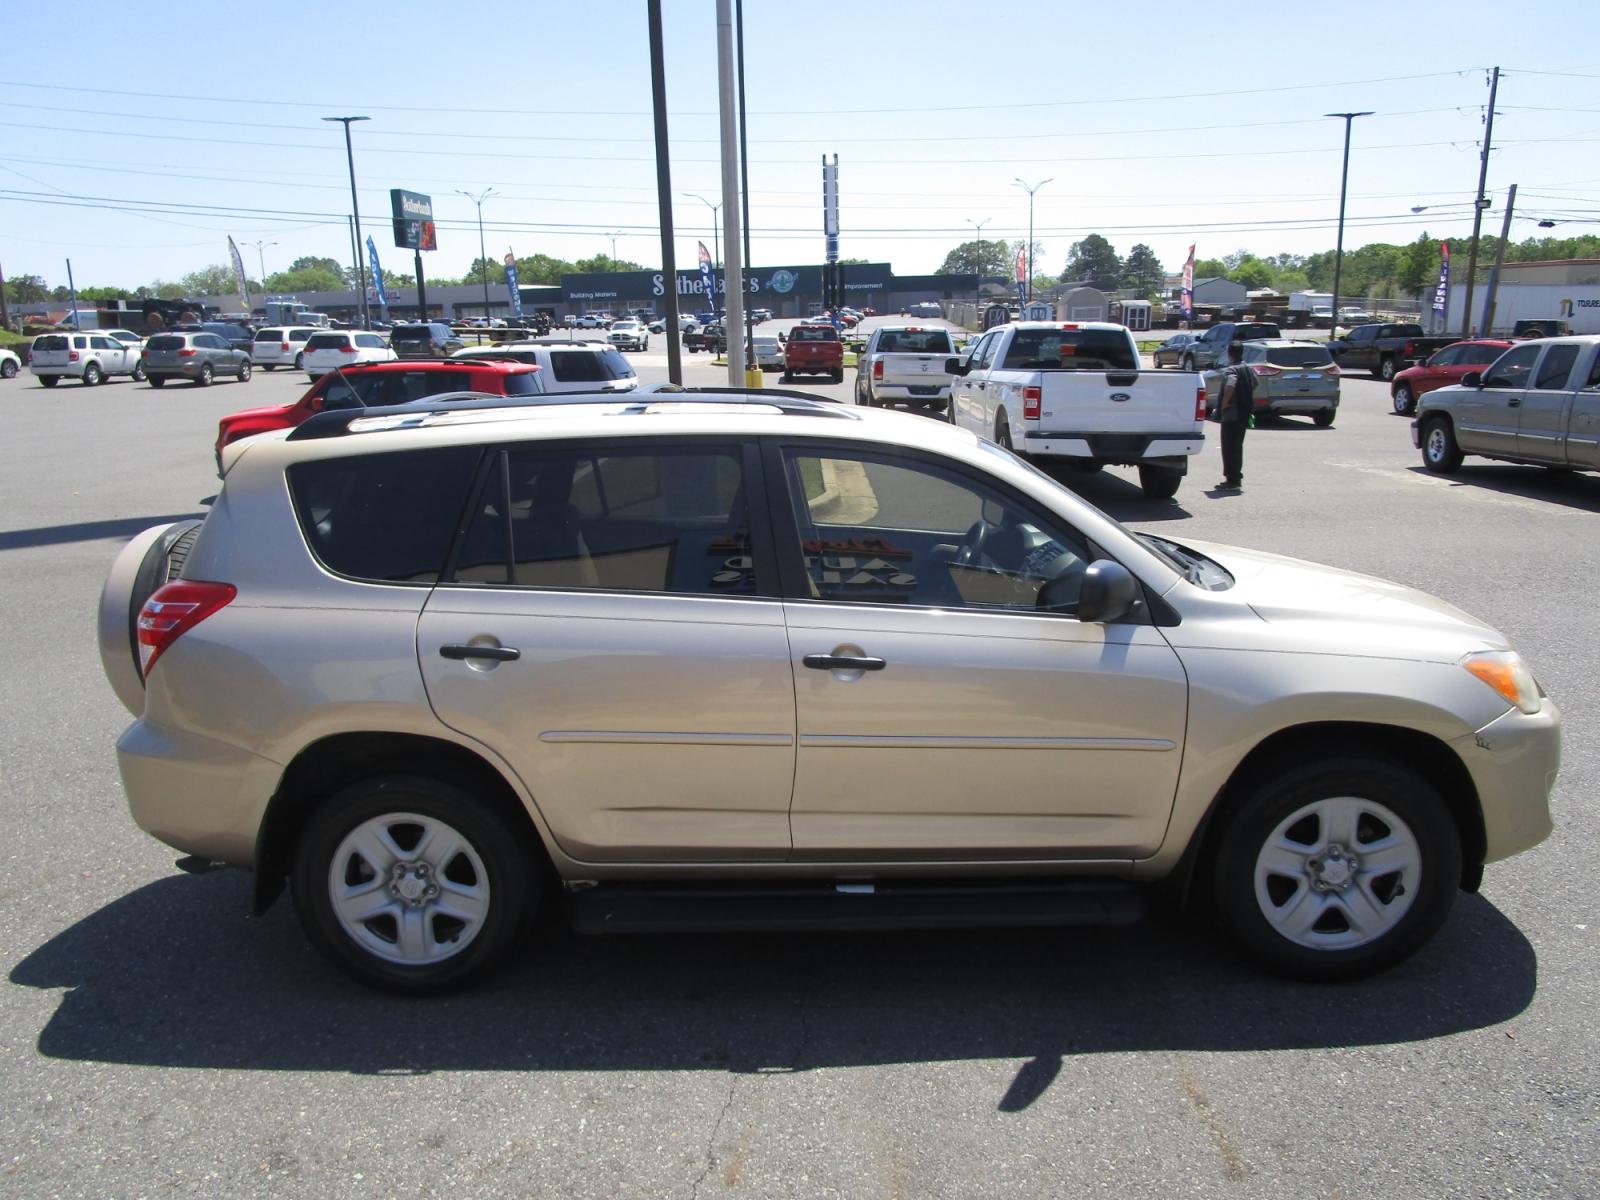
1158,124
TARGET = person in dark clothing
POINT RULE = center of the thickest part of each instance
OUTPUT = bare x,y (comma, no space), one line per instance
1234,408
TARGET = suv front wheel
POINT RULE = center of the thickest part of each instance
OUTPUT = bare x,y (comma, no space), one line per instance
411,884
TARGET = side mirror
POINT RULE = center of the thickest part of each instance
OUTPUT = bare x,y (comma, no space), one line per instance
955,366
1108,593
1472,379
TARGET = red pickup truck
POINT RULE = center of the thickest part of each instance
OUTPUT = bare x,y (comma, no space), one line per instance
814,350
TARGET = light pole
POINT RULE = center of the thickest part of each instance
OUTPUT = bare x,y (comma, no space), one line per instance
262,256
716,253
483,256
355,210
977,292
1031,190
1344,184
614,237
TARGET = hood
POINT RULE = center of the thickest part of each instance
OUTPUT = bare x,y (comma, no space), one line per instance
250,414
1329,610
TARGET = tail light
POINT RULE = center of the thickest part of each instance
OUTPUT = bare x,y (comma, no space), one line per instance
1030,403
1406,350
174,609
284,347
1264,371
347,350
877,370
187,352
1200,403
72,356
1331,369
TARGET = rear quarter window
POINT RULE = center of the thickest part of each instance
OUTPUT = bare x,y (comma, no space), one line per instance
385,518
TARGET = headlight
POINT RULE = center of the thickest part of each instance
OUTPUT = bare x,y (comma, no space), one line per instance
1506,673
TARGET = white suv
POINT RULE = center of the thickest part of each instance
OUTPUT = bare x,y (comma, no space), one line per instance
281,346
326,350
87,357
569,366
727,661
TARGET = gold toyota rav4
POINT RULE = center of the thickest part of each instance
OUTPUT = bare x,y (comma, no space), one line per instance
700,662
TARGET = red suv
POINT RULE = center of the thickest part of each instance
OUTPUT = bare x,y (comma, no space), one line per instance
1447,366
383,385
814,350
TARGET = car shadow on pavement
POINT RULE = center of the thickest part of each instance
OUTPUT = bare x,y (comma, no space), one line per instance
1575,489
1118,495
176,975
120,528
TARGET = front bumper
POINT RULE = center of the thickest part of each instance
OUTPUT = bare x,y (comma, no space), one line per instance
1513,762
196,794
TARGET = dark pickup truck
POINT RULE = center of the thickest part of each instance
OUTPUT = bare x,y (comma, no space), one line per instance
705,337
1385,349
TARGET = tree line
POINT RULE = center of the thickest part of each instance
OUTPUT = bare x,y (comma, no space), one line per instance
1378,269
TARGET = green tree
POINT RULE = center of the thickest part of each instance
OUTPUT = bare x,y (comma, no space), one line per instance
541,268
486,268
1142,273
1251,272
1210,268
215,280
306,279
602,264
1093,261
317,263
27,289
1419,265
990,256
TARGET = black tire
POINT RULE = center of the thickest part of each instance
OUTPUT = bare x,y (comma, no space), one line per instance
1002,433
1159,483
300,361
1405,908
49,380
1387,369
244,372
510,877
8,369
1085,466
1404,402
1440,453
1188,362
158,381
93,375
269,366
786,378
138,371
837,376
204,378
1323,419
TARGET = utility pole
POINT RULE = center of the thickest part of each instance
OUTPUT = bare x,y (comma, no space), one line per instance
73,289
733,275
1344,188
1499,261
5,311
977,292
483,255
355,219
1030,190
669,264
261,254
1481,203
744,190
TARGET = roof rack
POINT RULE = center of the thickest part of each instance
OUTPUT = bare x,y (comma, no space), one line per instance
336,423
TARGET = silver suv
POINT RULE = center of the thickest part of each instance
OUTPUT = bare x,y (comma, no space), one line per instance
713,661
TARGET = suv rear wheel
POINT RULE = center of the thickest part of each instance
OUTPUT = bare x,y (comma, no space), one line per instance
1337,868
411,884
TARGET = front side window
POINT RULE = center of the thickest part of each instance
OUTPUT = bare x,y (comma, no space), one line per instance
629,519
386,518
1556,367
1512,369
885,530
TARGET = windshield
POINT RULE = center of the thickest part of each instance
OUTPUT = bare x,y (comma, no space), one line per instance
1071,350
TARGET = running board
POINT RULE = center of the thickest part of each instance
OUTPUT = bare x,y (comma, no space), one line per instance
847,905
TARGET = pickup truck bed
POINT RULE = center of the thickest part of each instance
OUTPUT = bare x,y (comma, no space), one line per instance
1385,349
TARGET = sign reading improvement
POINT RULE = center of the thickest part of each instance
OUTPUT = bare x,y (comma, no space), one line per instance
413,220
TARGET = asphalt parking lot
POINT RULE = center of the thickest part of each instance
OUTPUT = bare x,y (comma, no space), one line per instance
154,1038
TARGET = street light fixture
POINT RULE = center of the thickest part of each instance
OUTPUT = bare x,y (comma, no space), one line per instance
614,237
716,253
262,256
1344,184
483,256
355,211
1030,190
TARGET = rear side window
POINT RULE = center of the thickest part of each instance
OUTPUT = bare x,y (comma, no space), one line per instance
646,519
1071,350
1557,365
327,341
299,335
914,341
369,341
387,518
582,366
269,335
1298,356
166,341
527,383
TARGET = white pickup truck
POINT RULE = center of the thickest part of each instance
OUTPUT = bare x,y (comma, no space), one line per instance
1071,395
905,364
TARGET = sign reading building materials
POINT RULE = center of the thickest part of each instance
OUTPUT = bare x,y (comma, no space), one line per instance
413,220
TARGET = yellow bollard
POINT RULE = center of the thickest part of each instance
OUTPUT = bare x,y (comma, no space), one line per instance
753,377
